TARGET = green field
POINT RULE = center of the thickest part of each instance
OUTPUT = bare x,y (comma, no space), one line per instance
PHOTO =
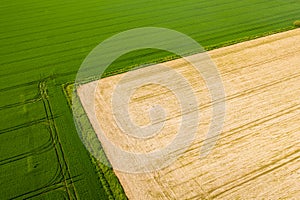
42,46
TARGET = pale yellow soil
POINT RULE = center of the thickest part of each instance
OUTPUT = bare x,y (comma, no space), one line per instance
258,153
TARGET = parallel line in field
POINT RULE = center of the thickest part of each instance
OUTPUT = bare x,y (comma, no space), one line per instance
243,28
265,170
43,66
233,181
53,134
56,141
114,7
56,63
28,101
246,126
121,15
257,89
95,28
250,125
243,127
108,6
94,21
250,175
253,89
37,193
36,151
120,8
62,62
19,86
64,5
279,159
277,187
68,50
36,6
257,122
41,190
247,91
256,64
24,125
89,37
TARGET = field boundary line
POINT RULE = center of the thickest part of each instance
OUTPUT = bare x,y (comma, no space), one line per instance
56,141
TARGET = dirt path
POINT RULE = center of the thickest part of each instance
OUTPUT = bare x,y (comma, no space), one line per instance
258,152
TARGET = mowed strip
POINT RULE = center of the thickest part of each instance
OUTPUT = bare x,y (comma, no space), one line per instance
258,151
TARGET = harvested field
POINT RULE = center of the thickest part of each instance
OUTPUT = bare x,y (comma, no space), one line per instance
258,152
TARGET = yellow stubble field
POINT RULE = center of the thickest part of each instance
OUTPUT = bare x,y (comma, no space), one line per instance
257,154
